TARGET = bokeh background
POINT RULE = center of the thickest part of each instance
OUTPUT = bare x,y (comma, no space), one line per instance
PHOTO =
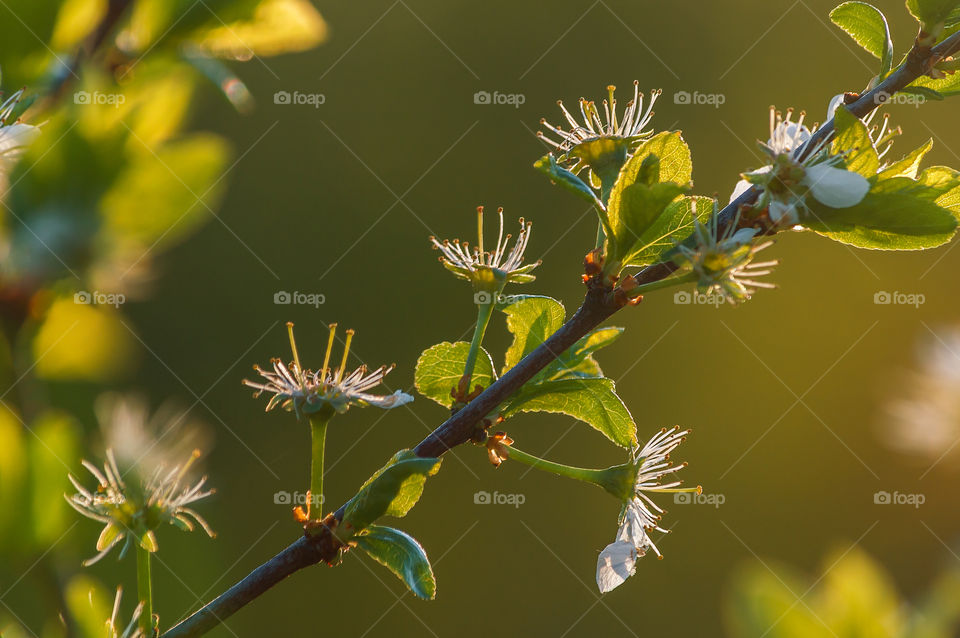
788,396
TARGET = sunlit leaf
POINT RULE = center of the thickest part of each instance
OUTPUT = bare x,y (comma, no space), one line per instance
440,368
593,401
401,554
392,491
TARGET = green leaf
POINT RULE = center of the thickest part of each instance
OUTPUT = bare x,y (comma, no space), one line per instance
564,178
908,165
392,491
932,12
674,224
900,214
868,27
593,401
643,216
576,362
401,554
440,368
55,436
663,158
531,320
853,138
162,197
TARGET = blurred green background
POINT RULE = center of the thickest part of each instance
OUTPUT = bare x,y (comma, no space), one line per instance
786,395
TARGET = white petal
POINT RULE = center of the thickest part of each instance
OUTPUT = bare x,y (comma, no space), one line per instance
617,563
836,101
394,400
742,187
14,140
781,213
836,187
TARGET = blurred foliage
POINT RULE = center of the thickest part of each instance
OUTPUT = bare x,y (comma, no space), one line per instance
115,178
854,596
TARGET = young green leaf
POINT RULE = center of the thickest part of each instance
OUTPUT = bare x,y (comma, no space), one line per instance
868,27
853,138
932,12
401,554
593,401
674,224
440,367
909,164
577,362
898,216
674,164
531,320
564,178
392,491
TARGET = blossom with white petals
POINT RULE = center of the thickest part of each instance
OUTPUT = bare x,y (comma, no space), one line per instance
489,271
132,510
328,391
640,515
14,137
723,262
601,143
790,178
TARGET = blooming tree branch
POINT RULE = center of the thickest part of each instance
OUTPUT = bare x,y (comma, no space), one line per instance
605,296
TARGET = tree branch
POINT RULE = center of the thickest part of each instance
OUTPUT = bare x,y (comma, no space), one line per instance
598,305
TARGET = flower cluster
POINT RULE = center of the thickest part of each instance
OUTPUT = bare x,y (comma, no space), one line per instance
797,172
328,391
132,512
640,515
722,262
488,271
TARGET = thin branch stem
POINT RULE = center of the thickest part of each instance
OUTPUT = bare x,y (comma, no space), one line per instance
460,428
145,590
318,438
484,312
